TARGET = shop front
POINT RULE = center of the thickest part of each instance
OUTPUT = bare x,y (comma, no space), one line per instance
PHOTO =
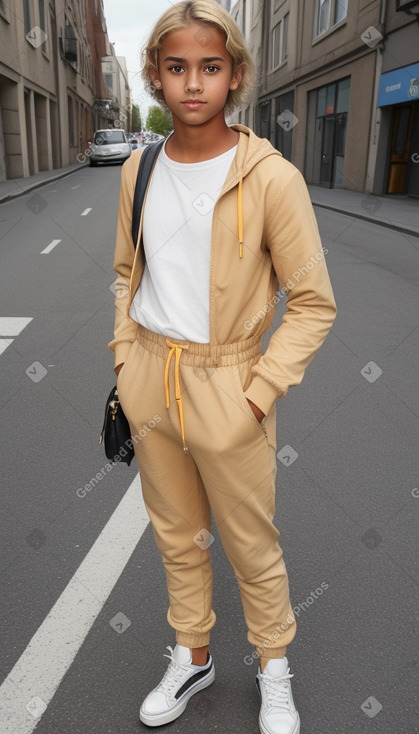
398,96
328,108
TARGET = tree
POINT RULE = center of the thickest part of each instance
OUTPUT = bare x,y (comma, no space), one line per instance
136,118
159,121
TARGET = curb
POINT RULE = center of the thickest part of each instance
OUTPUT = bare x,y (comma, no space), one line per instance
371,220
31,185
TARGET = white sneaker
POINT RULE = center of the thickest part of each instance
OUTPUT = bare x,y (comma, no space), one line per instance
181,680
278,714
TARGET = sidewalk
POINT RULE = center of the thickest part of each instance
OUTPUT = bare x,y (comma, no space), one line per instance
395,212
19,186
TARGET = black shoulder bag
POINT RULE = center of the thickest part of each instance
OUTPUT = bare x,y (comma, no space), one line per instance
116,433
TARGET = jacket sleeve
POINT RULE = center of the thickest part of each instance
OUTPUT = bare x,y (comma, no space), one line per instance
125,328
299,263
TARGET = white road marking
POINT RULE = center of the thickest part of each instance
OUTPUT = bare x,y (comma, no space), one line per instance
13,325
86,212
4,343
50,247
75,187
30,686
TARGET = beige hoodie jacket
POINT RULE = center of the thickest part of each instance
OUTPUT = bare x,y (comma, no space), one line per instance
264,236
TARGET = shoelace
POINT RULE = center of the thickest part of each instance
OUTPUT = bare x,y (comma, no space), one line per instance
173,674
277,691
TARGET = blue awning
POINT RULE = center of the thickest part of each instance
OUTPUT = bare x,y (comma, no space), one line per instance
400,85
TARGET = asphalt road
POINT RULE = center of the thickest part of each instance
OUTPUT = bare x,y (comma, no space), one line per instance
83,592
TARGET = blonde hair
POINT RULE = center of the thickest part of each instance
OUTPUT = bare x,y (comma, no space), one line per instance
209,13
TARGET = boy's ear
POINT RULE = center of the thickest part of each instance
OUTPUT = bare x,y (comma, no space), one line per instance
155,80
237,77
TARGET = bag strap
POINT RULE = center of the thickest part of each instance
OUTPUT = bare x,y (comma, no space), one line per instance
147,161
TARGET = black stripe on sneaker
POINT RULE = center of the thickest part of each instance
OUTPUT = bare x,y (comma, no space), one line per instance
193,679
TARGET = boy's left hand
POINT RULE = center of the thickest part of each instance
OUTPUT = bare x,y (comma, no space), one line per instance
259,415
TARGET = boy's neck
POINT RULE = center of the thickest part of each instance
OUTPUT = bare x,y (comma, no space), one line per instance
195,143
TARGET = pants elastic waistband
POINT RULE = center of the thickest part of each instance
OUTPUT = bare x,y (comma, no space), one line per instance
202,355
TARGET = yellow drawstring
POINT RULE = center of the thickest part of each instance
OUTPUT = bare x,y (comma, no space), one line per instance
240,216
175,349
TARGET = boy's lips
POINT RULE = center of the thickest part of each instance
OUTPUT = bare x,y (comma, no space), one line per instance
193,104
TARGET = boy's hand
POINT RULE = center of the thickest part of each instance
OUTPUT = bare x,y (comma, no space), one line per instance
259,415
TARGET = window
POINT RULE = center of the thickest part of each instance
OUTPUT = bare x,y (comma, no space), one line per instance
70,44
41,14
285,37
70,121
4,9
341,10
344,88
280,42
109,137
42,24
328,112
264,119
333,98
27,19
240,17
109,82
328,14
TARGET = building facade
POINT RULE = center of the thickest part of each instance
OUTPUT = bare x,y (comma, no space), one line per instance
115,75
321,67
104,113
51,85
397,120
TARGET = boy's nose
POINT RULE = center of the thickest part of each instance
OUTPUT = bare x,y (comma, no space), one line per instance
193,84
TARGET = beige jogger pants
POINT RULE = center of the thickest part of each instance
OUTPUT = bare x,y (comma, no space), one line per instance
229,465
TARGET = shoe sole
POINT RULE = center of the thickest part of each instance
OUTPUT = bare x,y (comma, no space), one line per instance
264,730
176,711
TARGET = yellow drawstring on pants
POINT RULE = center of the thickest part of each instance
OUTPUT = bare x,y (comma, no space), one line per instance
175,349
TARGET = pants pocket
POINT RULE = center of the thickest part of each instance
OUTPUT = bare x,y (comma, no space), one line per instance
121,377
241,378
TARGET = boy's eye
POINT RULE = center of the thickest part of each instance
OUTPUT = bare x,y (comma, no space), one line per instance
212,69
177,69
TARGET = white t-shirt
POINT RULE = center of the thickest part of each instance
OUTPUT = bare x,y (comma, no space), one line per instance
173,297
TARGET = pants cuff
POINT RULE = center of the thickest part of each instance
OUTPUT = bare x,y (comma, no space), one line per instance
273,652
192,639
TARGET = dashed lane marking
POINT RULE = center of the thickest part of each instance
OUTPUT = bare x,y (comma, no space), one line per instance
4,343
86,212
50,247
11,326
30,686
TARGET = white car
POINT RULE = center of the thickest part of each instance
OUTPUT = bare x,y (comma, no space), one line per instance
108,146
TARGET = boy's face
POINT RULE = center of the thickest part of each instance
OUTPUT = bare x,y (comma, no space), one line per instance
196,73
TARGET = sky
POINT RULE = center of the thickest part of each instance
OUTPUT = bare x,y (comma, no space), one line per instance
129,23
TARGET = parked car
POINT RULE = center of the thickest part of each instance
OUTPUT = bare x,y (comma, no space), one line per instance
108,146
